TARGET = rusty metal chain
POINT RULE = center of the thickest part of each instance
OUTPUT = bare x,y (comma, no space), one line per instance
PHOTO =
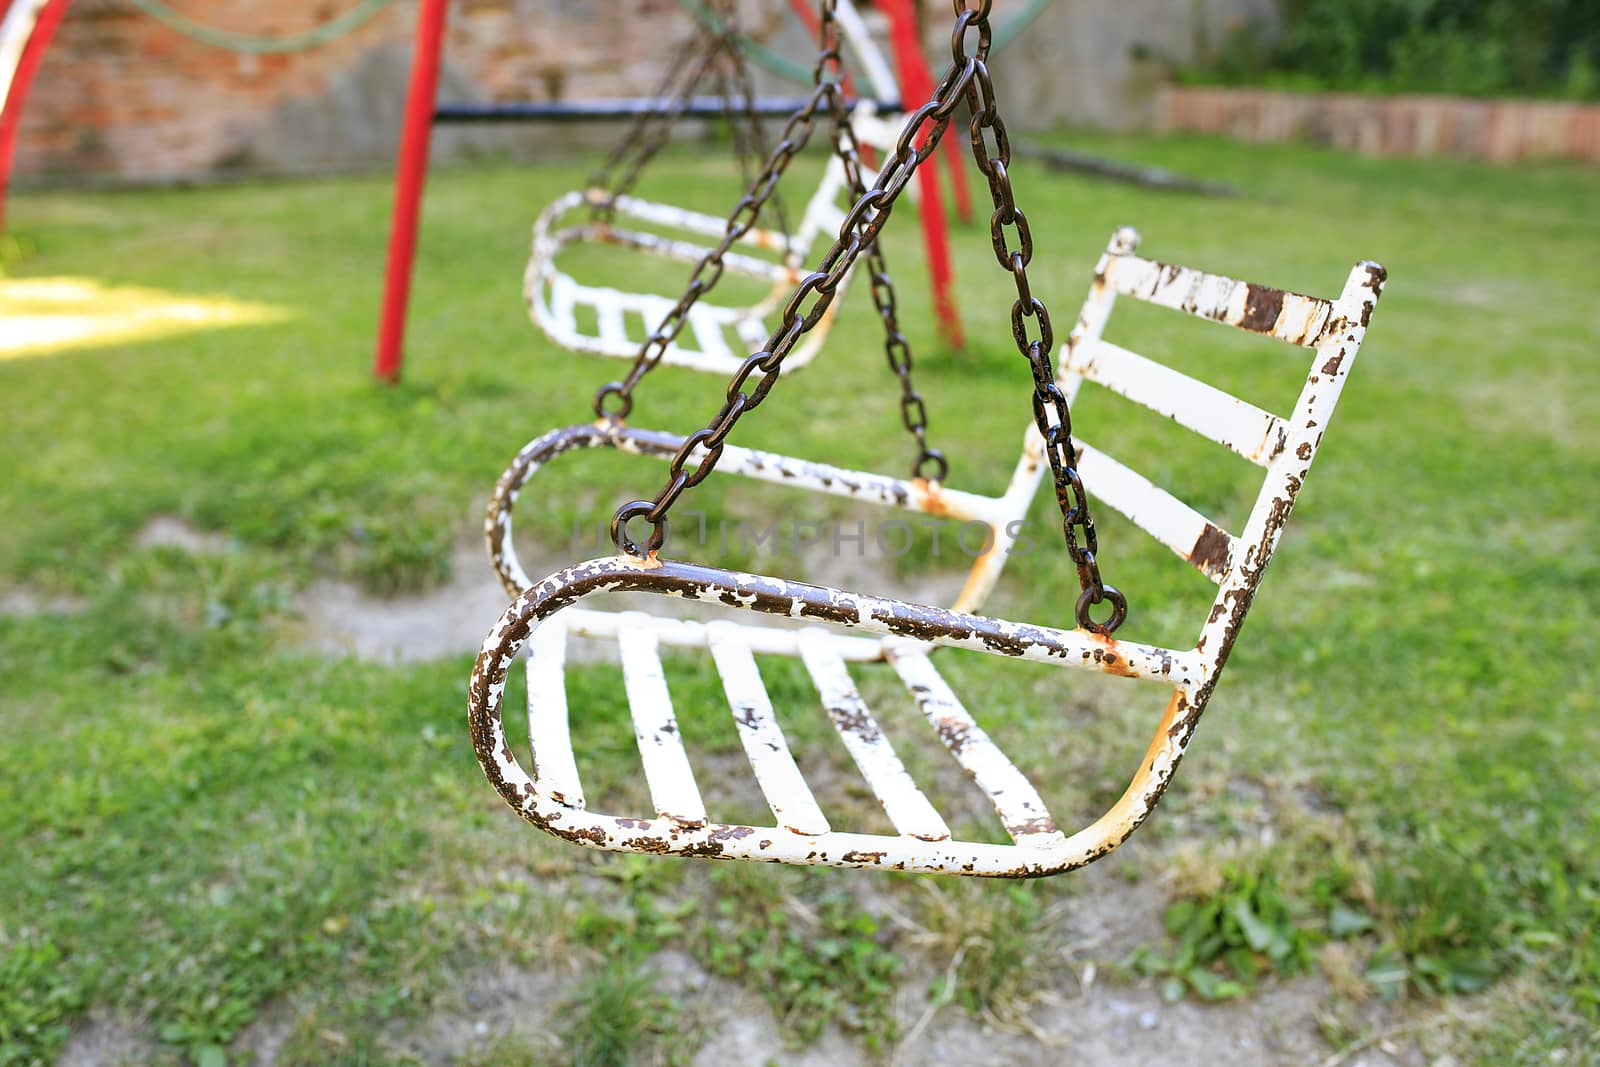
929,463
1051,413
650,130
825,95
858,230
751,139
966,79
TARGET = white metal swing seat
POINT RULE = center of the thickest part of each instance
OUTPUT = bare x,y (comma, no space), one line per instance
605,320
551,796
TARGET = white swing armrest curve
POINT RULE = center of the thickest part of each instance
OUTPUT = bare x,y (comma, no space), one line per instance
1001,514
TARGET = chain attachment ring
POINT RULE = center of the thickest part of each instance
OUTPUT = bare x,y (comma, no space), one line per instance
627,513
1119,609
613,414
935,457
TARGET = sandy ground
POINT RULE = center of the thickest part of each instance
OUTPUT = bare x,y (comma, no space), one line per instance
340,619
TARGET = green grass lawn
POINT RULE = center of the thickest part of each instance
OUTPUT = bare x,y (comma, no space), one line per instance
202,822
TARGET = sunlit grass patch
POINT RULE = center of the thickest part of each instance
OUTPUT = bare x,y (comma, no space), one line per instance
44,316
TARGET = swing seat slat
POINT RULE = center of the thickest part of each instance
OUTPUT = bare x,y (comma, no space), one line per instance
1016,802
908,808
784,787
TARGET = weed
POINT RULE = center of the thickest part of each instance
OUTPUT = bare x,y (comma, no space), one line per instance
1226,940
818,963
1442,920
996,932
508,1050
616,1018
37,1000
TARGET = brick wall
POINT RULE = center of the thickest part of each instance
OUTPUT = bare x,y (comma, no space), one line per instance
1498,130
120,93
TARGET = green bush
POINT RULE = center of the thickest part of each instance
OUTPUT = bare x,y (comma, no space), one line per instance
1466,47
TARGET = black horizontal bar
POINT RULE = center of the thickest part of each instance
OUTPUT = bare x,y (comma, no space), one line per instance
614,110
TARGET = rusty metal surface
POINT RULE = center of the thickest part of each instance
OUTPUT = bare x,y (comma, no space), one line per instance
998,513
901,632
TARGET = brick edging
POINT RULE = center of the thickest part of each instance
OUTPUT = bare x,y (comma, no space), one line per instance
1498,130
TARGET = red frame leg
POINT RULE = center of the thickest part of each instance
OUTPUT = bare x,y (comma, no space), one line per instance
916,84
44,28
411,173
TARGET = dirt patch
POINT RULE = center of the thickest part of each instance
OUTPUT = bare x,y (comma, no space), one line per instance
1118,1026
1077,1014
341,619
109,1042
24,603
263,1041
170,531
489,1006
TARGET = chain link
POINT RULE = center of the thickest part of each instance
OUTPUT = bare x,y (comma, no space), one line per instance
966,79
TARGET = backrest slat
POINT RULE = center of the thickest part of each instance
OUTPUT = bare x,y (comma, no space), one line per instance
1233,423
1195,538
1288,316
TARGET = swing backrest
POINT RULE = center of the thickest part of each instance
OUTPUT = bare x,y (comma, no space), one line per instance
826,207
1283,445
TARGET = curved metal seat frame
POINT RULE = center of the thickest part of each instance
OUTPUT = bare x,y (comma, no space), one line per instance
623,319
544,614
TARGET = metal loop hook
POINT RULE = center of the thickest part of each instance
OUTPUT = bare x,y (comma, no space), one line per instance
935,457
621,411
619,529
1119,609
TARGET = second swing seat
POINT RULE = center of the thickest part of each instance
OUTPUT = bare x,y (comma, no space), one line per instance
611,320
